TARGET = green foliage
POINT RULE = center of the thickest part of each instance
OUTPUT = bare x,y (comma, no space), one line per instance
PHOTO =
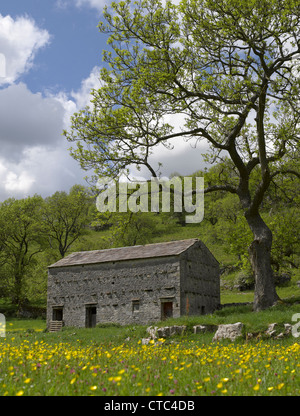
21,241
32,231
65,217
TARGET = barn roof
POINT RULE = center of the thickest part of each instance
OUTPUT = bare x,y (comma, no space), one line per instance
171,248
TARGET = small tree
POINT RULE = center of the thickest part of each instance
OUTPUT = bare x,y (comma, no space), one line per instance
21,240
65,217
231,67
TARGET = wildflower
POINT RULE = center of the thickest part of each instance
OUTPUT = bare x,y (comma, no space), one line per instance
93,388
279,387
73,380
20,393
27,380
256,387
115,379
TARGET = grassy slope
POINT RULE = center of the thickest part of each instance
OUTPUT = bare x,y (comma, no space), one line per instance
254,322
282,313
98,240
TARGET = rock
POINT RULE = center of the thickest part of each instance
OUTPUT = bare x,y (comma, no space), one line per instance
152,331
163,332
145,341
231,331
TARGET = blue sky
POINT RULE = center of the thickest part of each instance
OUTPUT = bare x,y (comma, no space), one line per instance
53,52
50,57
74,46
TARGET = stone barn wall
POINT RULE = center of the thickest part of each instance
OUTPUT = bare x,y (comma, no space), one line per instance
123,292
200,281
133,290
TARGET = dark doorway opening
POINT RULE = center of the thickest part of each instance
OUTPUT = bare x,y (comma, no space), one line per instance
166,310
57,314
90,316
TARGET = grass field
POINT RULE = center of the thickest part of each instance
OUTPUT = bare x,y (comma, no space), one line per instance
112,361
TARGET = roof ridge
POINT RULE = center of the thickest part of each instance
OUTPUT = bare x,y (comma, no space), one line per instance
170,248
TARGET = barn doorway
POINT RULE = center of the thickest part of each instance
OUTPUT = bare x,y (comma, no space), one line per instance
57,314
166,310
90,316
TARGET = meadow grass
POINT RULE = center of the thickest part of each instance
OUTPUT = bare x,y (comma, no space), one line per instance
182,367
112,361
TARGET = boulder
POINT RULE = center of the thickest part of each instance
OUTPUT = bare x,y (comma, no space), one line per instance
231,331
152,331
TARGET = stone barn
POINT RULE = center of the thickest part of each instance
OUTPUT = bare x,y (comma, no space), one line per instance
139,284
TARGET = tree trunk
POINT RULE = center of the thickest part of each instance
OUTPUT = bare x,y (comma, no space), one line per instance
260,257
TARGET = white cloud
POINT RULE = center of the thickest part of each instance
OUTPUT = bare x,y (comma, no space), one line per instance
34,154
18,183
20,39
27,120
40,170
95,4
83,96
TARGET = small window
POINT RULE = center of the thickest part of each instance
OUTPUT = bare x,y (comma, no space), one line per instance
135,305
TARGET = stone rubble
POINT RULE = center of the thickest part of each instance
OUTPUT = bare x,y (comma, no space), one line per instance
224,331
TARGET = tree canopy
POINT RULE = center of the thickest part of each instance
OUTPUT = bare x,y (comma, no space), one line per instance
231,67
